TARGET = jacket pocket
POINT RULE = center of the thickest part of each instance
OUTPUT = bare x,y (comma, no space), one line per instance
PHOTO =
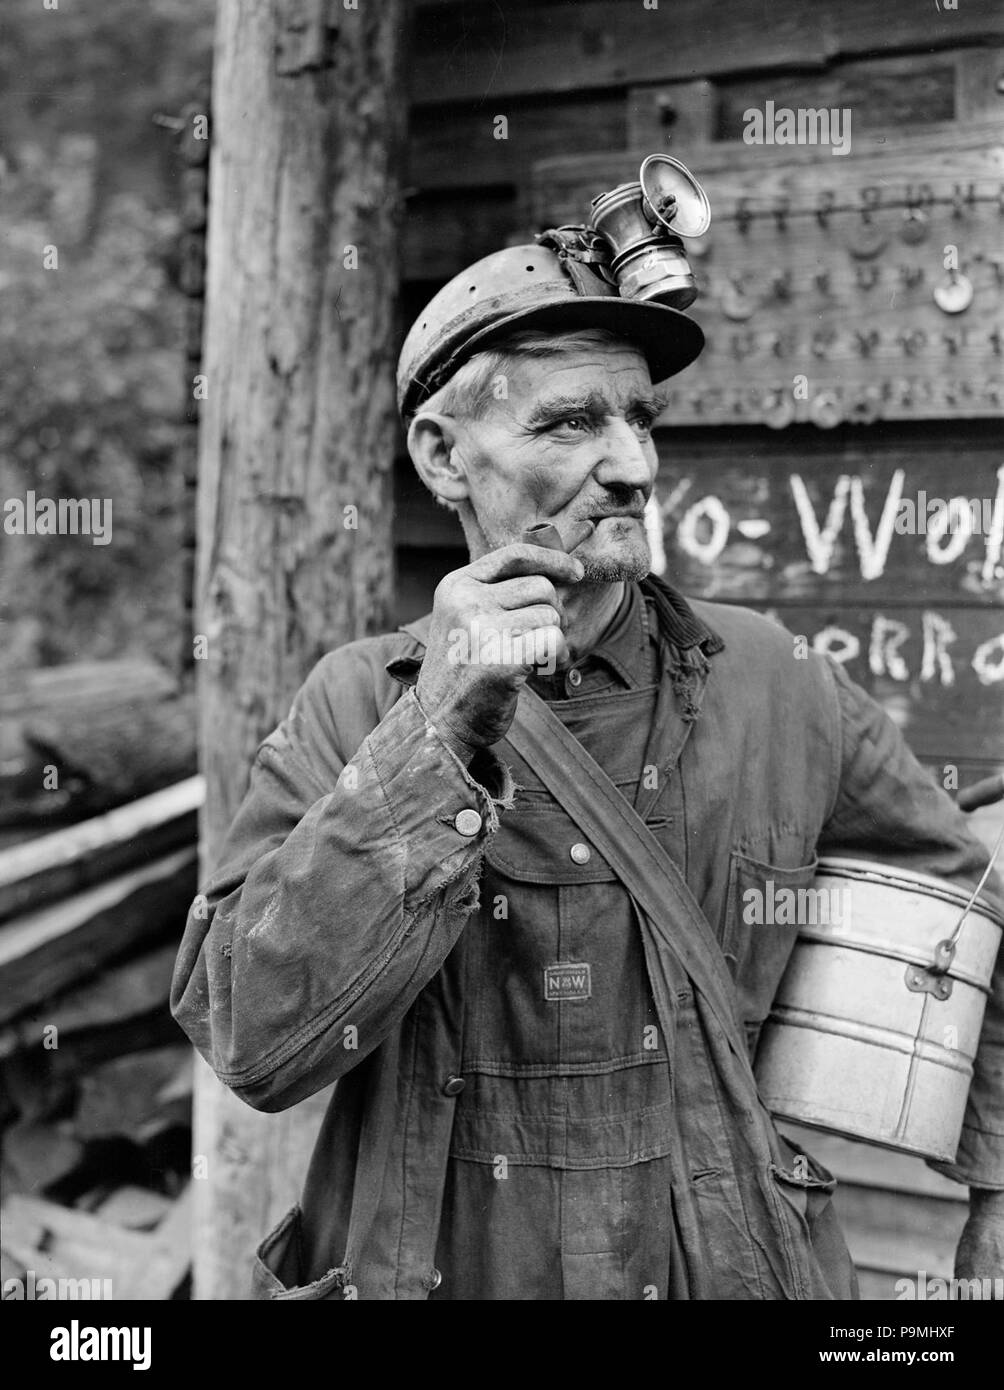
535,844
764,909
276,1273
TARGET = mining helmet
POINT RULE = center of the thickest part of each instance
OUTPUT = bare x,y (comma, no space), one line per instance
534,286
624,270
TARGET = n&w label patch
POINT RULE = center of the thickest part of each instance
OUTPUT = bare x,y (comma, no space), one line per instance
567,982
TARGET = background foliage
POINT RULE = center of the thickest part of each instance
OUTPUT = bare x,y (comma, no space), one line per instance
92,390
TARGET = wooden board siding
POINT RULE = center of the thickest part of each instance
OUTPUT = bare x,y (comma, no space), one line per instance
742,482
823,272
492,51
586,90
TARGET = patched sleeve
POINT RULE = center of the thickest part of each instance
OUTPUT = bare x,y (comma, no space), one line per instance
343,885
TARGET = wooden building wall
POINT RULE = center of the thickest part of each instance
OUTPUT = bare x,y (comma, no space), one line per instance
780,503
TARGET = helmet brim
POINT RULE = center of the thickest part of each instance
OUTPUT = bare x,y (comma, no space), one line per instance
668,339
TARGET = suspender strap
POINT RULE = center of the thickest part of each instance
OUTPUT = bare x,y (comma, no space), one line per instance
609,821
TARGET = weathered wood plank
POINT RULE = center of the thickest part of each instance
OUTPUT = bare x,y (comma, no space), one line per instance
170,1255
36,1155
88,759
116,995
465,146
56,690
884,95
443,234
58,1242
902,1215
44,951
902,1255
22,1255
65,861
488,52
855,520
54,737
134,1096
938,672
978,92
672,115
822,282
135,1208
35,1213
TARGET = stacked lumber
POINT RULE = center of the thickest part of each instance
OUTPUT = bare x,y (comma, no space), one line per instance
131,1249
76,740
95,1077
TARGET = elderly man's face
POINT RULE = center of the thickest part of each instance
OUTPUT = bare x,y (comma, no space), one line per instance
572,441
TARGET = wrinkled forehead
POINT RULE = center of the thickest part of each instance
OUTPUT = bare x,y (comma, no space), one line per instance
614,375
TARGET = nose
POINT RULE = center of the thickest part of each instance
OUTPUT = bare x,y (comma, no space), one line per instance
626,460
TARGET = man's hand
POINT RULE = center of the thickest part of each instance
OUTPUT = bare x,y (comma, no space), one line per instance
503,607
981,1247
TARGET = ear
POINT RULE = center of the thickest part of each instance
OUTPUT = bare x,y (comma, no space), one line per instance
432,444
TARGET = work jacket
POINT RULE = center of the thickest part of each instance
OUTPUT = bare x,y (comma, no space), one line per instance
363,849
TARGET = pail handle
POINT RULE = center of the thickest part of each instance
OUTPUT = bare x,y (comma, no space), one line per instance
934,979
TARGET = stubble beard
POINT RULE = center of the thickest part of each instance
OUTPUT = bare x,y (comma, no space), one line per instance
604,570
632,564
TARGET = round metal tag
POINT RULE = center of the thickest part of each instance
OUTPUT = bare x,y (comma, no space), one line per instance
825,410
867,408
955,294
915,226
777,410
736,305
867,239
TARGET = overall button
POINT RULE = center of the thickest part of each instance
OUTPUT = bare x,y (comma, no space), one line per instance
453,1085
467,823
575,678
580,854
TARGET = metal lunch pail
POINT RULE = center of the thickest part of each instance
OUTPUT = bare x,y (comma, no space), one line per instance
876,1021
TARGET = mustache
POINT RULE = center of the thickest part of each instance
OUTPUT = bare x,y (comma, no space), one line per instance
632,506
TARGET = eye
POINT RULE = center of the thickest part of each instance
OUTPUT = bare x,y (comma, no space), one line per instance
642,421
570,425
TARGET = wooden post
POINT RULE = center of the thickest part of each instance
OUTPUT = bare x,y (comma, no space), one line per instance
297,438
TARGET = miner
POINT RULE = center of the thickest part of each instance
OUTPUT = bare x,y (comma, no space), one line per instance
501,902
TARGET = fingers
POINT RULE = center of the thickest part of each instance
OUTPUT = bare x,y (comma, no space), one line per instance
509,642
519,559
524,591
541,615
550,649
